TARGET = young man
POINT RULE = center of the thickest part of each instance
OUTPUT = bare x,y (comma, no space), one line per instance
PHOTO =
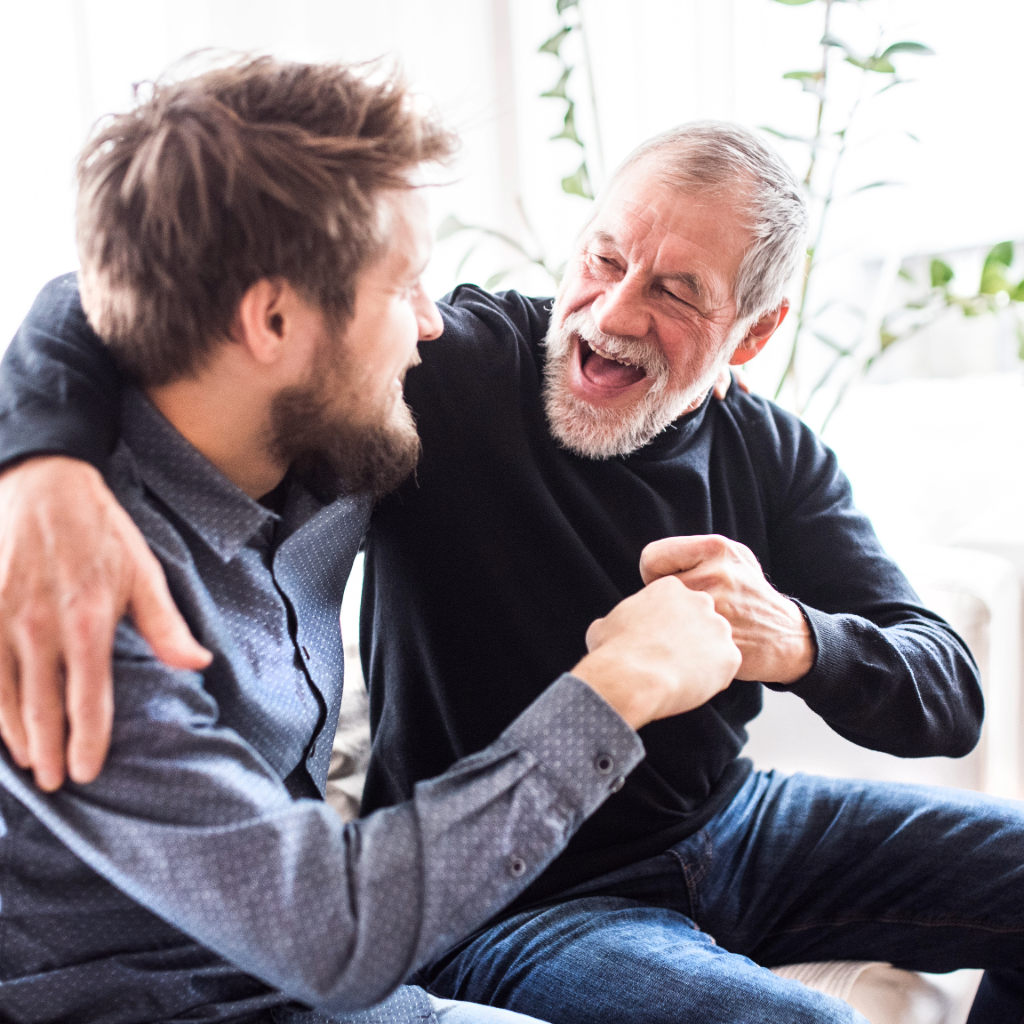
251,250
570,454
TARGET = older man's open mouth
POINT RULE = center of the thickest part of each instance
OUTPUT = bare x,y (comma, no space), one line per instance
600,375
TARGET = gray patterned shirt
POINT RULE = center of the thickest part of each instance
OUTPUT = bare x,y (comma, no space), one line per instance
201,875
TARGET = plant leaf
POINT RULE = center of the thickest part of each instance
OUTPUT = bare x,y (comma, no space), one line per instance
994,279
1018,293
793,3
905,274
783,135
941,273
880,64
551,45
563,5
832,343
569,127
557,91
875,184
830,40
465,258
1001,253
896,80
810,81
451,225
495,279
908,47
578,183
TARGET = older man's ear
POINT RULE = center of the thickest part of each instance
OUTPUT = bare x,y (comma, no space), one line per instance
758,334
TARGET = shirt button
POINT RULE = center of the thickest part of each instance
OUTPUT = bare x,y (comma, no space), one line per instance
516,866
617,785
604,764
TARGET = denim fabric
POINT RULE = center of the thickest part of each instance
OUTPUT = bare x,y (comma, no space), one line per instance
795,869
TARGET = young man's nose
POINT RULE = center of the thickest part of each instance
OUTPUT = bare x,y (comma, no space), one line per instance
428,319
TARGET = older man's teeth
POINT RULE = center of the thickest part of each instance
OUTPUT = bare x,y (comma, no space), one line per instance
607,355
608,372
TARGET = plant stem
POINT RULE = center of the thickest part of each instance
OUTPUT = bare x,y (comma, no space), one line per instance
598,145
790,372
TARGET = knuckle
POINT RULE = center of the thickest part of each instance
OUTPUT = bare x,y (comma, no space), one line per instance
81,623
35,624
40,718
719,545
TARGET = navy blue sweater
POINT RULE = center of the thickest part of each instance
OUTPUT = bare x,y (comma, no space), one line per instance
485,568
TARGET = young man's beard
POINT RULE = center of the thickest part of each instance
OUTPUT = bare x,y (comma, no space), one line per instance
333,454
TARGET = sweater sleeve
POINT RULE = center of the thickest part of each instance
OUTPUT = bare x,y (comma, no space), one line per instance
889,674
59,386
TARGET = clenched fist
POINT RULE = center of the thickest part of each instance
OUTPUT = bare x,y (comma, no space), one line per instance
660,652
769,629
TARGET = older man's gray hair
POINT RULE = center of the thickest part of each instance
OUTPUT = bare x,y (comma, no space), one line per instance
718,156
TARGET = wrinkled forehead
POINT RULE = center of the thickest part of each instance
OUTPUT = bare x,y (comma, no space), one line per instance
668,181
673,230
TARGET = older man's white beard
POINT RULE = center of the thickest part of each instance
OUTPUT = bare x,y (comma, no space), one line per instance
599,433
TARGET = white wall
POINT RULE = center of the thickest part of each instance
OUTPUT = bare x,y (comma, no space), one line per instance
63,63
657,62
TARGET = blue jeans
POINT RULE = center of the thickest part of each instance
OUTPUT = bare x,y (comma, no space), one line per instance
795,869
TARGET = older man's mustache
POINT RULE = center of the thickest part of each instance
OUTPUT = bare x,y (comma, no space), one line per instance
608,356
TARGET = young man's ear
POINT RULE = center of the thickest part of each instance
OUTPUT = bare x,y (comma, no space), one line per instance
758,334
264,314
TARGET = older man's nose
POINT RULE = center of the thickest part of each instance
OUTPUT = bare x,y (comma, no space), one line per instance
622,310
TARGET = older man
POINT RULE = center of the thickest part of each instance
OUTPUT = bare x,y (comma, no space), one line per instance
572,454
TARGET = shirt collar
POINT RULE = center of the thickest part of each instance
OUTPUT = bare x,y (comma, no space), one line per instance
223,515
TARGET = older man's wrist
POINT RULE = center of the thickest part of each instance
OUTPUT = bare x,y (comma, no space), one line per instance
801,651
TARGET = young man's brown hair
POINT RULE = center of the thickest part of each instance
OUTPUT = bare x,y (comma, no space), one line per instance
257,170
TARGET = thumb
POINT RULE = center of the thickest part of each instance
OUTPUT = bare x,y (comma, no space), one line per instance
666,557
595,632
157,618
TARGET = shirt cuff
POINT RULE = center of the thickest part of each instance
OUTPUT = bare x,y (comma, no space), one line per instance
581,742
